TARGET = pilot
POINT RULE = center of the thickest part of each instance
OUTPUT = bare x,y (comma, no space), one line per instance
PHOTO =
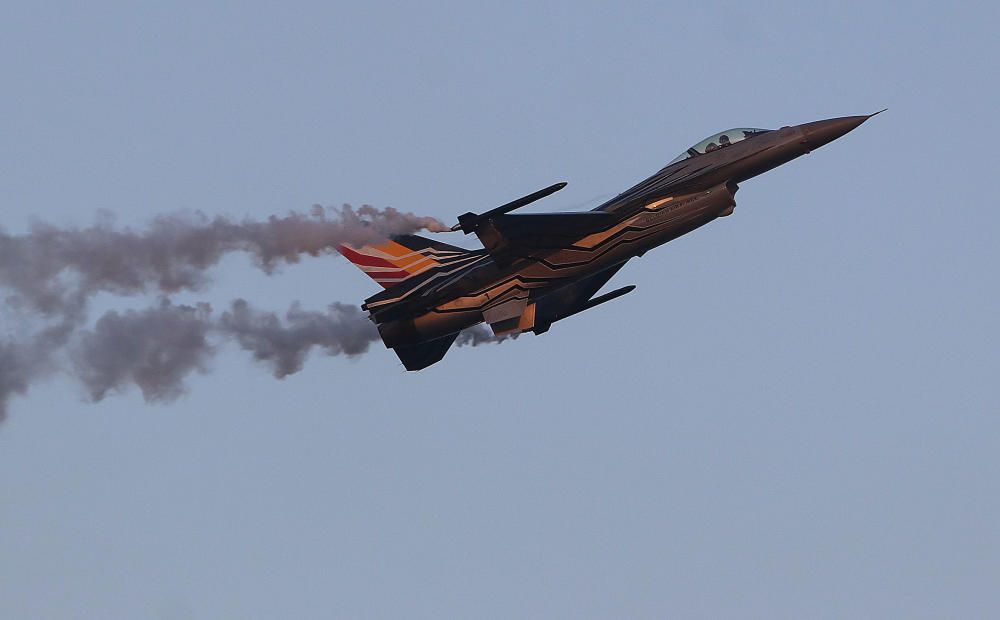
712,146
724,140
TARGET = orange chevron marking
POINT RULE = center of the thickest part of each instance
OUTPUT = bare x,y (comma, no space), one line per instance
591,240
653,205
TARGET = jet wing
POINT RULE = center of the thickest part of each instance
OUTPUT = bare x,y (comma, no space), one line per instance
512,234
570,299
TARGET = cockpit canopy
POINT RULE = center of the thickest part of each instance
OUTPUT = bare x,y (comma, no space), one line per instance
719,140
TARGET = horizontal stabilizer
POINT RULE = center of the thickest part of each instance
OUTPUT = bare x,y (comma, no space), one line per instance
420,356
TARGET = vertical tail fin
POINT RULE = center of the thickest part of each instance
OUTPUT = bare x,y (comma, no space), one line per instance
401,257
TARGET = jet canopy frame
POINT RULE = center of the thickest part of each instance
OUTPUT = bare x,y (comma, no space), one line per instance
719,140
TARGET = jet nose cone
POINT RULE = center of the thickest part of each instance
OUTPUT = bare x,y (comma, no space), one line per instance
819,133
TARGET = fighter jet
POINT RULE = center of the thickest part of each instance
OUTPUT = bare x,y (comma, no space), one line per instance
540,268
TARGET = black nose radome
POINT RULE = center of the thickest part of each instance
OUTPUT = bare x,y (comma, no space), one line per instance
819,133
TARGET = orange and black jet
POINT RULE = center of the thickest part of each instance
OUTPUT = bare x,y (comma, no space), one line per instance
536,269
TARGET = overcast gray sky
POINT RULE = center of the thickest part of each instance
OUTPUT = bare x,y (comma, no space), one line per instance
795,414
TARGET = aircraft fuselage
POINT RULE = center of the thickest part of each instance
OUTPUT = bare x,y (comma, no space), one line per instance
526,280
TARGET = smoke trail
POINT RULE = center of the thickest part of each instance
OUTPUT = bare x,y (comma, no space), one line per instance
342,329
157,348
20,364
154,348
51,273
480,334
24,361
18,367
51,269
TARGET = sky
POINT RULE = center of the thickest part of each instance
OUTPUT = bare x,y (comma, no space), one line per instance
794,415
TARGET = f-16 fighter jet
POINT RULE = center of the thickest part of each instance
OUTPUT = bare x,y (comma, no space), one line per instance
537,269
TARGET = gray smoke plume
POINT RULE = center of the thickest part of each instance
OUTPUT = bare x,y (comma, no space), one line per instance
157,348
479,334
51,273
50,269
154,348
24,361
341,330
